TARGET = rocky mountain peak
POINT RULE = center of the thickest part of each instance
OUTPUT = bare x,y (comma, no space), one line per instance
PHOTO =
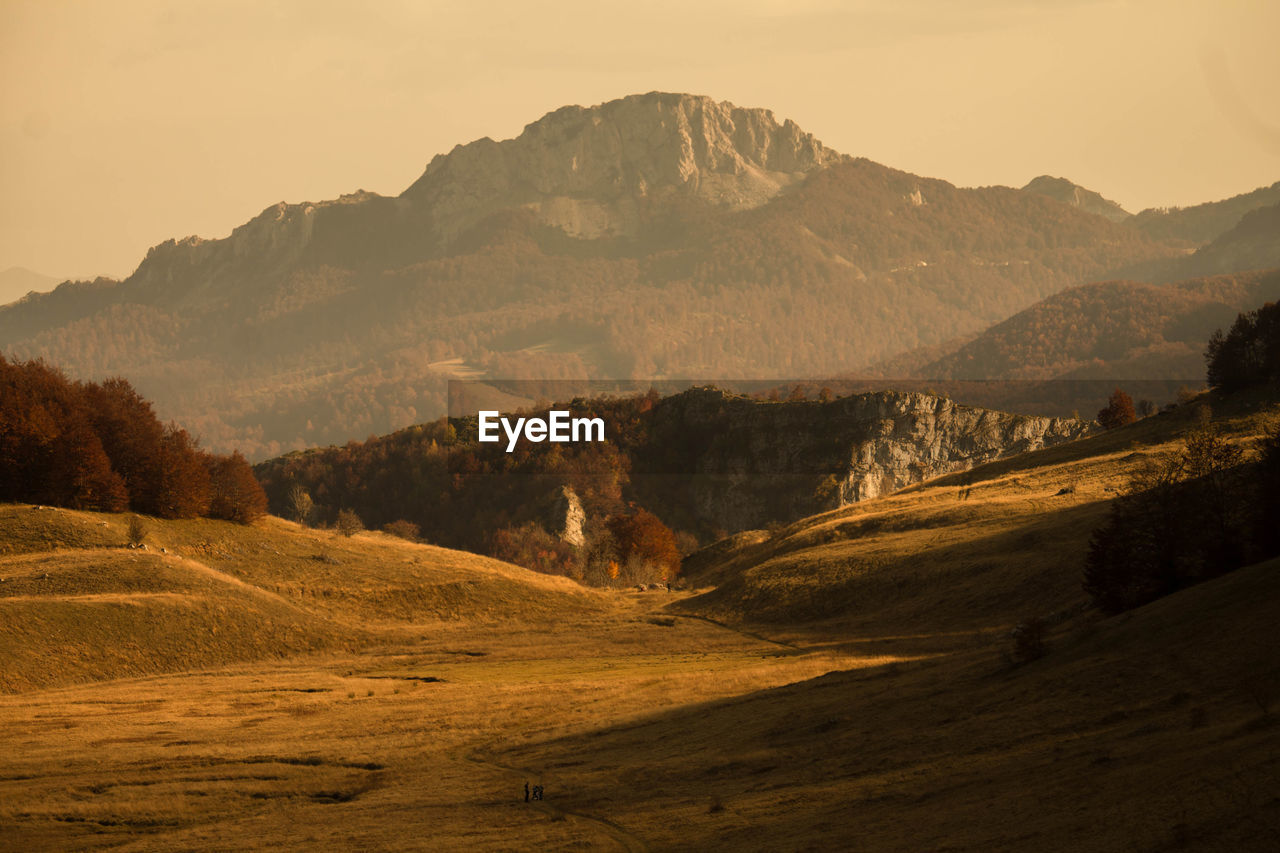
1067,192
585,169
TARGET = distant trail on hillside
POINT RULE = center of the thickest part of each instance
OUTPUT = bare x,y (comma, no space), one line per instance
629,841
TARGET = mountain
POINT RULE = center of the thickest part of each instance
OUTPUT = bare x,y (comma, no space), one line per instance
17,282
654,236
1253,243
1060,189
1112,329
1201,223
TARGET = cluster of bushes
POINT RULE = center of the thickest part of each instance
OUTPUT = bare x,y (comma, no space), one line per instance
100,446
1198,515
1205,511
628,548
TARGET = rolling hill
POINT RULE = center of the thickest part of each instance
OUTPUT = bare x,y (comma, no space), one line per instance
1202,223
78,605
845,682
1122,330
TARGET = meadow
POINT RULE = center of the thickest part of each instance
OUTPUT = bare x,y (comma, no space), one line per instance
842,683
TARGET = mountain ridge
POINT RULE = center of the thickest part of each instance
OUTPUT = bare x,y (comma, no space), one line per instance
711,240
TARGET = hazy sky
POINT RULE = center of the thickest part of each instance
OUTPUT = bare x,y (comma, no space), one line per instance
125,123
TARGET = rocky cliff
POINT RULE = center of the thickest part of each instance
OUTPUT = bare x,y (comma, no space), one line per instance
589,171
751,463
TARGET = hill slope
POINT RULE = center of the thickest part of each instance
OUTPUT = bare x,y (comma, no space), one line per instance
79,606
1111,330
1202,223
655,236
983,547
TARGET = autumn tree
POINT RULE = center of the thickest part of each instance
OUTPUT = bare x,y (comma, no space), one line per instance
234,493
1118,411
132,438
183,487
100,447
298,504
642,540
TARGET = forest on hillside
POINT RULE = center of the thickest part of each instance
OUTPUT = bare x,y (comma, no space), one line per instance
99,446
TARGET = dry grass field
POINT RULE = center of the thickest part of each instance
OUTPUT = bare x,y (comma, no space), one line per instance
841,684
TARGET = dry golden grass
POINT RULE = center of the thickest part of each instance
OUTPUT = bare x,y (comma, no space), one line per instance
966,554
279,687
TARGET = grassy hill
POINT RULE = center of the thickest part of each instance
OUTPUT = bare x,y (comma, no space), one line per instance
78,605
1151,732
974,551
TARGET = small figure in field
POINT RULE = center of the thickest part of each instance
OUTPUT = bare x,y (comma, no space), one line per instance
526,792
537,792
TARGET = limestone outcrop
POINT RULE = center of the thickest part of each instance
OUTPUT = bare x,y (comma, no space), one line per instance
754,462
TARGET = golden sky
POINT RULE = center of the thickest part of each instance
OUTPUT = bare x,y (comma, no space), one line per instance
128,122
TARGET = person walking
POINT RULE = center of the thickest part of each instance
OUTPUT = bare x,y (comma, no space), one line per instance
526,791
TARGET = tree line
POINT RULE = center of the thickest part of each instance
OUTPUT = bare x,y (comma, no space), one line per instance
1206,510
99,446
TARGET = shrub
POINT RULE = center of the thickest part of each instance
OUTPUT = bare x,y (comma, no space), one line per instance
1178,523
532,547
403,529
348,523
137,530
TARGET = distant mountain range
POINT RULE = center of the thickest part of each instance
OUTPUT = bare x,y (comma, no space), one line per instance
1201,223
1112,329
17,282
658,235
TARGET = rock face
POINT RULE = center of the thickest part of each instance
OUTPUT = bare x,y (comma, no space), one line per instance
1060,189
754,463
568,517
589,171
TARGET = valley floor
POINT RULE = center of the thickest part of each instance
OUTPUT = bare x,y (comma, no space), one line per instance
406,746
1144,734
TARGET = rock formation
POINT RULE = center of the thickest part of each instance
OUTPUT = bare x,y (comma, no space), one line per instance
1060,189
753,463
588,171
